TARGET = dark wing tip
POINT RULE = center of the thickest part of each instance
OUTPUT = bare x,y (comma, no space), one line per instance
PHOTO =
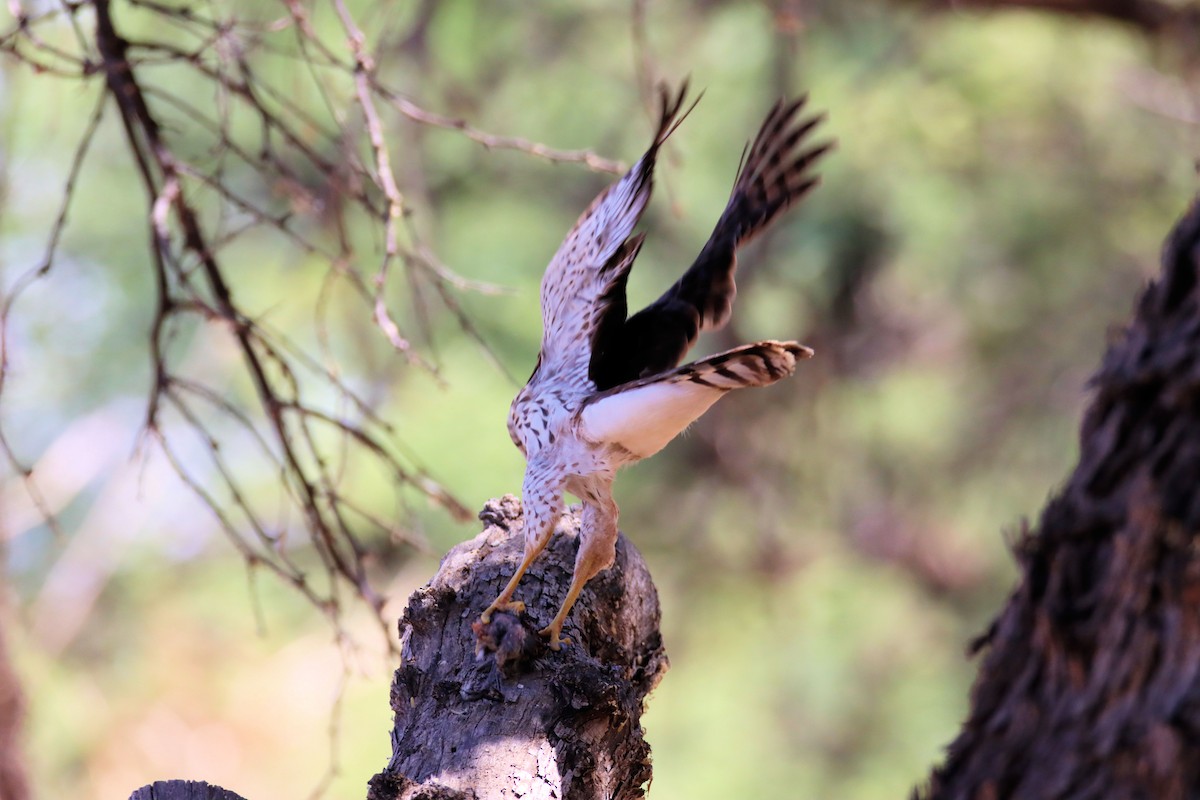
778,138
670,117
776,172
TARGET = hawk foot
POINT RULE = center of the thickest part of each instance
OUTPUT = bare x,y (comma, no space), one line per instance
553,632
511,606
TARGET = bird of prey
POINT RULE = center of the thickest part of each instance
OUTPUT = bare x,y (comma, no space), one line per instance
608,389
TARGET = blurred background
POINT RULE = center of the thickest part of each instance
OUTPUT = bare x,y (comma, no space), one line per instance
824,549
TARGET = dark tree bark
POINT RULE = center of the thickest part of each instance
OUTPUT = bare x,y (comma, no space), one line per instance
491,711
1091,683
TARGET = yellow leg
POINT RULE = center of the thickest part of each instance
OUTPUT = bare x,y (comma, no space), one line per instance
554,629
596,550
543,505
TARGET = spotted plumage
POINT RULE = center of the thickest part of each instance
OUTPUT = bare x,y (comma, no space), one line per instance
607,389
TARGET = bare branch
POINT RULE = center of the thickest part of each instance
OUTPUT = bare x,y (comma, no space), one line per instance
312,170
493,142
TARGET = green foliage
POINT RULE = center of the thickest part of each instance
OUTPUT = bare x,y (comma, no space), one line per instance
824,549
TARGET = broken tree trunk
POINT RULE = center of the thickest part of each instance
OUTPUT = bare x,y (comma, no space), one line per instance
490,711
1090,687
493,712
183,790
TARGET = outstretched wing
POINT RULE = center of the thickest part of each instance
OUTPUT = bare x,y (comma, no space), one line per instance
776,173
596,255
642,416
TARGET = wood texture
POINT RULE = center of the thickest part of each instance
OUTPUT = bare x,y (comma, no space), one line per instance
1090,687
491,711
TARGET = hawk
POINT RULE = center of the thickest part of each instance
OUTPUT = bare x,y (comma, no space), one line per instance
607,389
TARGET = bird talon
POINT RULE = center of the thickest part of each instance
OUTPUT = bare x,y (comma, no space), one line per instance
510,606
556,640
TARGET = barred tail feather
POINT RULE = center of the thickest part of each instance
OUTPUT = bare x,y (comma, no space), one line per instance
758,364
644,415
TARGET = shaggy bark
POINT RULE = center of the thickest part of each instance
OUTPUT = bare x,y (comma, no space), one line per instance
1091,683
491,711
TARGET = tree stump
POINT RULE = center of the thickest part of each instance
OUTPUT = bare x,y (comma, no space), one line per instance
1091,683
183,790
493,712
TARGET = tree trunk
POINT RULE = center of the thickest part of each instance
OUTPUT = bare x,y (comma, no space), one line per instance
490,711
493,712
1091,683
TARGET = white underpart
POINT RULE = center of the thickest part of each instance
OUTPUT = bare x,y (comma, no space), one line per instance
643,419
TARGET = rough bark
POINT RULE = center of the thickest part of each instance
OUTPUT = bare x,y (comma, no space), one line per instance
1090,687
493,712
